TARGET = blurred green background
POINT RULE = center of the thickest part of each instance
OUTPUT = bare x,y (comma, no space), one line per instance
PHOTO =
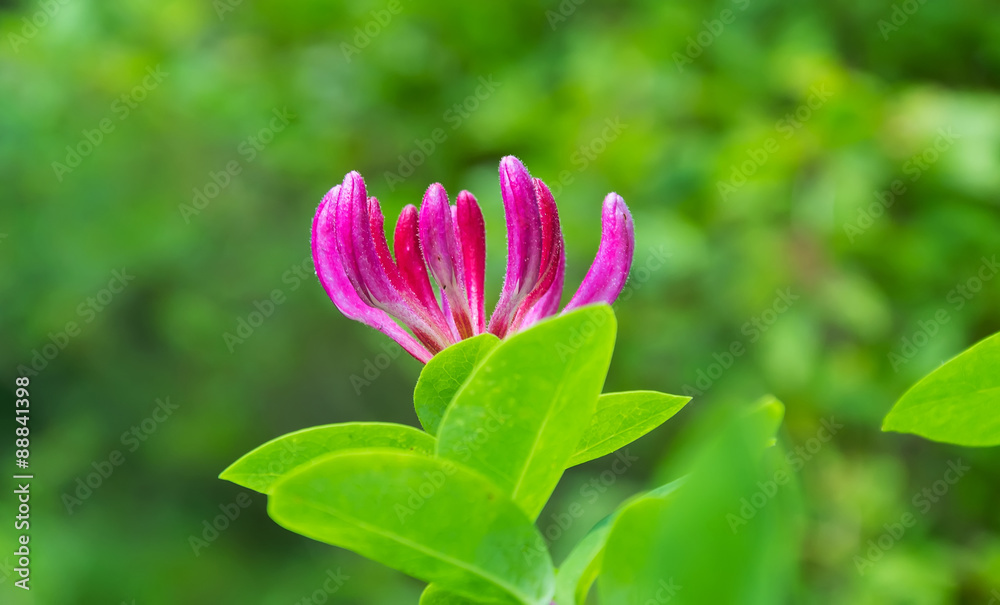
753,141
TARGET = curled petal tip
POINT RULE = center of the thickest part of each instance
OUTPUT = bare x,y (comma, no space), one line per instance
471,235
607,275
333,277
524,241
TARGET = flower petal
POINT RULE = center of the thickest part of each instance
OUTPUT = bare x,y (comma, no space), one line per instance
471,233
543,300
365,270
410,259
444,257
524,241
334,279
607,275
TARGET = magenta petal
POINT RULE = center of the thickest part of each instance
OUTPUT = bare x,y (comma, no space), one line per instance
524,241
382,246
471,233
444,257
430,313
543,300
606,277
331,274
410,259
359,255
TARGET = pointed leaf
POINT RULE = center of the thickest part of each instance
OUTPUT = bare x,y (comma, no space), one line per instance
727,535
262,467
434,594
578,572
428,517
621,418
520,415
444,374
958,402
580,569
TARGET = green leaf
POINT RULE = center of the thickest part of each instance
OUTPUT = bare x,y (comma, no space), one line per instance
957,403
262,467
521,413
621,418
434,594
580,569
727,535
444,374
428,517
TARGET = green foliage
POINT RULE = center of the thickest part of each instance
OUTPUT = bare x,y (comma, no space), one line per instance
435,595
697,540
444,374
411,512
579,570
582,566
958,402
262,467
519,416
707,265
458,510
621,418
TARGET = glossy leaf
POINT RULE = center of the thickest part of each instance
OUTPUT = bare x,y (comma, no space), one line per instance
434,594
957,403
431,518
580,569
261,468
621,418
727,535
520,415
578,572
444,374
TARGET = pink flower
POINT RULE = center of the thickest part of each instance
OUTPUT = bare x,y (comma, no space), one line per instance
367,284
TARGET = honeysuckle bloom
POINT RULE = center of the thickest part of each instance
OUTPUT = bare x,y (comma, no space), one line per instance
447,242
